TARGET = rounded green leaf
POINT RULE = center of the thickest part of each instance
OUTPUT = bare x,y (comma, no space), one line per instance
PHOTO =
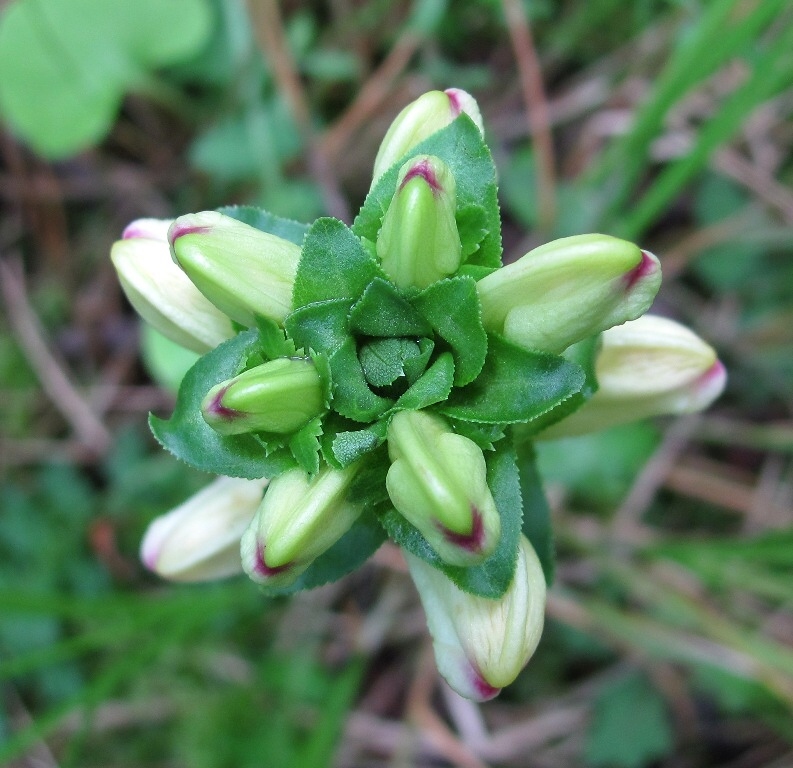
67,64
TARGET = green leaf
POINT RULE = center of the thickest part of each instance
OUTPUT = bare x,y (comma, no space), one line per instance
491,578
383,311
415,366
475,270
272,340
368,487
351,445
191,439
536,513
67,64
383,360
484,435
472,227
630,725
461,147
515,386
351,394
452,309
432,387
293,231
350,552
333,265
304,446
584,355
321,327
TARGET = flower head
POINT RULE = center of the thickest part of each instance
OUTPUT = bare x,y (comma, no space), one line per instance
387,376
419,243
481,645
438,482
162,293
278,396
652,366
569,289
243,271
298,520
200,539
419,120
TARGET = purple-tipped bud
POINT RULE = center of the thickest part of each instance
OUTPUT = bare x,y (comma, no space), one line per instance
298,520
419,120
438,482
161,293
279,396
481,645
568,290
648,367
244,272
419,243
200,539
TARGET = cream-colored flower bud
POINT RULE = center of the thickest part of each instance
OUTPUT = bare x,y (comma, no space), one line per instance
481,645
279,396
648,367
298,520
419,120
568,290
419,243
161,293
438,482
243,271
200,539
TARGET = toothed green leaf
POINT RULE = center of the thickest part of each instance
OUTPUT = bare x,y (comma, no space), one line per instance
452,309
515,386
333,265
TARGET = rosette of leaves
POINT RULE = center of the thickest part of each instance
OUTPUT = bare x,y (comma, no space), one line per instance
380,350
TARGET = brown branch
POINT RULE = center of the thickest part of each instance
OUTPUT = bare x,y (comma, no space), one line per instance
271,37
530,74
371,96
51,374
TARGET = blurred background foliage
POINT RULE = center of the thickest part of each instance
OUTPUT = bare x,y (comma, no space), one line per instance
670,627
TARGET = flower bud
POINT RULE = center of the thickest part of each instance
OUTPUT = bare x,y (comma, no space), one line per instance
297,521
161,293
279,396
419,120
419,243
437,481
647,367
243,271
200,539
568,290
481,645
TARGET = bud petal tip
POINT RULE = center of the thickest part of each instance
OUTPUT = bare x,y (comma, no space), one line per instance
483,689
422,170
178,230
648,265
711,384
262,570
473,542
150,229
213,406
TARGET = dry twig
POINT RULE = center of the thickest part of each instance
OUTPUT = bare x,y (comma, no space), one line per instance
270,33
536,108
51,374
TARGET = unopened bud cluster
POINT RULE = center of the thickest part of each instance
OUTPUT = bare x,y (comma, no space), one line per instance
380,381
